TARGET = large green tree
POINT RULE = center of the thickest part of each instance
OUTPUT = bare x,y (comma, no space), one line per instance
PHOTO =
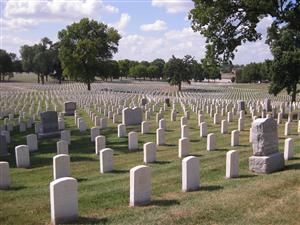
84,46
228,23
285,46
176,71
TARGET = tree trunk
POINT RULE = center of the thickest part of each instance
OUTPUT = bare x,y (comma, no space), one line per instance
38,78
89,86
294,93
59,80
46,78
43,79
179,87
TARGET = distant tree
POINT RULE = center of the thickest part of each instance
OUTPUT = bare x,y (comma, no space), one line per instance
145,63
138,71
57,71
226,66
6,65
160,63
84,46
153,71
38,58
194,68
42,61
110,69
27,54
124,66
176,70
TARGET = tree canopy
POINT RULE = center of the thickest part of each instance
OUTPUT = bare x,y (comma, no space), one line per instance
176,70
285,46
84,46
228,23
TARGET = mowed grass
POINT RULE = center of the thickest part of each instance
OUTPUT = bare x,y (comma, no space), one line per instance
104,198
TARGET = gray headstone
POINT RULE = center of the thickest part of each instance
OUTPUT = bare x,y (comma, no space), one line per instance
264,137
267,105
241,105
132,116
167,101
3,145
49,124
70,108
266,158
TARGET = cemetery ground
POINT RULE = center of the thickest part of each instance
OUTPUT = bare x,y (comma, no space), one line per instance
104,198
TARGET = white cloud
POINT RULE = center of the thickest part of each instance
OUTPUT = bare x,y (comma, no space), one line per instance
18,24
10,42
123,22
174,42
158,25
56,9
174,6
252,52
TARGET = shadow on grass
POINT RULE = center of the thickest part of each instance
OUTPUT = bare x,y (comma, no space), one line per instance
161,162
166,202
195,140
220,150
244,146
90,220
196,155
210,188
119,171
293,167
246,176
170,145
14,188
81,179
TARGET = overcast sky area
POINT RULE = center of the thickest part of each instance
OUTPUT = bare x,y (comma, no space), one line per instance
150,29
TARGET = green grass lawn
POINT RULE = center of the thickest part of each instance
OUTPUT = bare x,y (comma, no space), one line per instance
104,198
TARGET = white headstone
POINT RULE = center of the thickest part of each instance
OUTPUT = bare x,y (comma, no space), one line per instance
121,130
62,147
232,164
5,180
140,185
149,152
61,166
106,160
211,142
183,147
22,156
288,148
190,174
63,200
32,142
95,131
132,141
100,143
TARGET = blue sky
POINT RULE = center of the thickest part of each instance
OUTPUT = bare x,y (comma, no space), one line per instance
150,29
